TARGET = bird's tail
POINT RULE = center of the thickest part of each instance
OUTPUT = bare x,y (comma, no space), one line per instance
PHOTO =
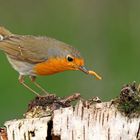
4,32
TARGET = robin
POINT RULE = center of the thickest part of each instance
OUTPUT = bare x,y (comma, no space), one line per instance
33,56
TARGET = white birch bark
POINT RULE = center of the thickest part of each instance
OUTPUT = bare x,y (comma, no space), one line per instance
101,121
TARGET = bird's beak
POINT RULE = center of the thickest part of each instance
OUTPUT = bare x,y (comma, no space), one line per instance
83,69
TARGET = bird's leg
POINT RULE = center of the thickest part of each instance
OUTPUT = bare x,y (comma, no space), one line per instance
33,79
21,80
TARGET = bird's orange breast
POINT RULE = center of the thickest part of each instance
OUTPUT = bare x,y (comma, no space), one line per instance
55,65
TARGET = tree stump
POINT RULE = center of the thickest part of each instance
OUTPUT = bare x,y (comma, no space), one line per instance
56,119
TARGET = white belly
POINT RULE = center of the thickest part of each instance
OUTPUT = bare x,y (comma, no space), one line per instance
24,68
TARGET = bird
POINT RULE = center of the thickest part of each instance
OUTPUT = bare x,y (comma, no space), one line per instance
34,56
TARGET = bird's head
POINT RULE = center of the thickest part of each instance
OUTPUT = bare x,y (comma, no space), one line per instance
61,59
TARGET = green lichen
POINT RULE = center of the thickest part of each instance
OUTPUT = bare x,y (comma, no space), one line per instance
129,100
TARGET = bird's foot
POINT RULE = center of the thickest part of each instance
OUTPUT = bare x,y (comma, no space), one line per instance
45,105
46,95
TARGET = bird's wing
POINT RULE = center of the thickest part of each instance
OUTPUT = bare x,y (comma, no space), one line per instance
26,48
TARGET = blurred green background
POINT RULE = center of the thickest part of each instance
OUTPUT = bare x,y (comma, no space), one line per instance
106,32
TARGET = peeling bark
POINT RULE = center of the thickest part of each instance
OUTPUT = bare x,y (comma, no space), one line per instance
101,121
28,129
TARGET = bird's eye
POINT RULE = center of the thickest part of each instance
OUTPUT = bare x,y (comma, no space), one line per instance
1,37
69,58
